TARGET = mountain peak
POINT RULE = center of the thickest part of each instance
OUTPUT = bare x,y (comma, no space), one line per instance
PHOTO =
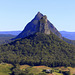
38,16
40,23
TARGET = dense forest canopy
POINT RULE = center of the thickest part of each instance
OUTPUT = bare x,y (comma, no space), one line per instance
39,49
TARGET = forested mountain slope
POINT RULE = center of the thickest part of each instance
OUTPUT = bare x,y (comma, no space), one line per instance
39,49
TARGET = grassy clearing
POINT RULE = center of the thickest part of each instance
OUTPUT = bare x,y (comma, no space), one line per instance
72,70
39,69
34,69
24,67
3,73
5,69
55,73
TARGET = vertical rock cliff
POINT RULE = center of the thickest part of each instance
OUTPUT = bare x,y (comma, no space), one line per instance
43,26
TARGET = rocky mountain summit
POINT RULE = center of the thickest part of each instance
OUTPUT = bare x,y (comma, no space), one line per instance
40,23
43,26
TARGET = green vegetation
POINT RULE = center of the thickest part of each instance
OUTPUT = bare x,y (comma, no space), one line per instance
8,69
41,70
5,69
39,49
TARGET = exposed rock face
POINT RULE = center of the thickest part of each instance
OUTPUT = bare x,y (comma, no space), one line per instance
43,26
31,27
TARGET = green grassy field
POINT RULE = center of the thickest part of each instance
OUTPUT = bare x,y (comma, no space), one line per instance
5,69
39,69
72,70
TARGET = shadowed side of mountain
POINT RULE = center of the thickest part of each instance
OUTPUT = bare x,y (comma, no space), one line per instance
30,27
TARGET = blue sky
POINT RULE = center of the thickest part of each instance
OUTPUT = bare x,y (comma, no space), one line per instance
15,14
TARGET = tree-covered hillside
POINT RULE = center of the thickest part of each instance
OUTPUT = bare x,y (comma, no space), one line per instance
39,49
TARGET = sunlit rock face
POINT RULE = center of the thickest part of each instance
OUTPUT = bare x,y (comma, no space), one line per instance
43,26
